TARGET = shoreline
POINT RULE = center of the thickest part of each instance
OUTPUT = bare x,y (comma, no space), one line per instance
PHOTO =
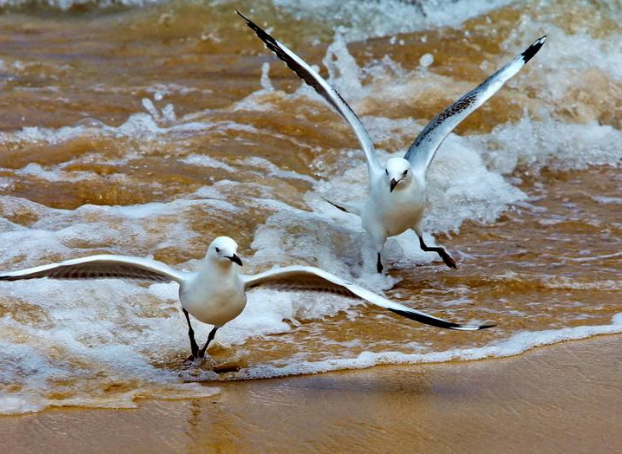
560,398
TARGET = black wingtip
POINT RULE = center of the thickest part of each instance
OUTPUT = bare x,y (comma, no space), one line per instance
10,278
426,320
268,40
441,323
237,11
252,25
533,49
487,325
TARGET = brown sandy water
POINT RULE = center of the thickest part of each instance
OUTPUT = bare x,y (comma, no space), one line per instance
150,131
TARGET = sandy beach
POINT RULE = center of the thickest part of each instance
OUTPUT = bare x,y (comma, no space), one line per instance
565,398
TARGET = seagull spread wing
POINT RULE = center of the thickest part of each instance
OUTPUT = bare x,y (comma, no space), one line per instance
422,151
313,279
323,88
100,267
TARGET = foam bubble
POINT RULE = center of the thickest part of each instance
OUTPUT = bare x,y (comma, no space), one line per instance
426,60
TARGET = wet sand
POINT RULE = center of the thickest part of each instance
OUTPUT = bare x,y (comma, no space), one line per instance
565,398
149,131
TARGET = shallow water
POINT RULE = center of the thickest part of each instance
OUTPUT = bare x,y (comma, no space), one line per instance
148,129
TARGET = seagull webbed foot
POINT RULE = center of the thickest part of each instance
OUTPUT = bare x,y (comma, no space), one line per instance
192,360
449,261
205,362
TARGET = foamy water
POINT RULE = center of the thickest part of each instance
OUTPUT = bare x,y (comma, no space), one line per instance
525,195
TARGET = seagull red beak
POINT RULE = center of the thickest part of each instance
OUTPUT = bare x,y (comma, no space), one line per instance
394,183
235,259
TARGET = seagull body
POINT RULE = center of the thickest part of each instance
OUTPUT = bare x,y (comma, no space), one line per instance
216,293
397,195
388,213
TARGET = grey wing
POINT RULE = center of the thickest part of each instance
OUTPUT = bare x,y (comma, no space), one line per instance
99,267
422,151
323,88
314,279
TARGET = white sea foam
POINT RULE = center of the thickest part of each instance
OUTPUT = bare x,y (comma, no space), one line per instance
63,233
361,19
56,174
516,344
271,170
534,145
207,161
86,330
68,4
157,122
608,200
364,19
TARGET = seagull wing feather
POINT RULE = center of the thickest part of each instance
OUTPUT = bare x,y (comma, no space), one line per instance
100,267
323,88
314,279
422,151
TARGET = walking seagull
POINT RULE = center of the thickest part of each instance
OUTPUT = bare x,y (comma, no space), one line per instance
216,293
397,193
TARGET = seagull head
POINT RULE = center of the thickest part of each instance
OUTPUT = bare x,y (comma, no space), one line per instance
224,250
398,170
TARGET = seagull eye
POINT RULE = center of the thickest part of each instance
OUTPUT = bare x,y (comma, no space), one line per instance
217,251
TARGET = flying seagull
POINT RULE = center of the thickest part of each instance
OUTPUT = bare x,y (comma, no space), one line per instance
397,193
216,293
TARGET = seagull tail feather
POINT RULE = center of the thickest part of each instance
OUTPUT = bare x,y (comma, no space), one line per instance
345,207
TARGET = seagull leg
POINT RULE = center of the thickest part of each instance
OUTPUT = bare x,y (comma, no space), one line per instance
210,337
378,240
449,261
379,266
193,343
